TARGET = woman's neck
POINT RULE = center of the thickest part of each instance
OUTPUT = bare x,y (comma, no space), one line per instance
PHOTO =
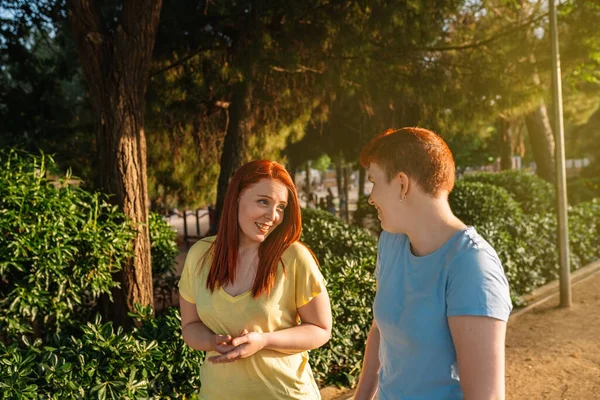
433,225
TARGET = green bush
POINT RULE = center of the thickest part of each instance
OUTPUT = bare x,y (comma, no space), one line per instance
163,250
58,247
582,189
163,246
347,256
101,362
528,248
365,215
584,233
534,194
477,203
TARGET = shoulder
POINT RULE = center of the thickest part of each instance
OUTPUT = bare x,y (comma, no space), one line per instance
202,246
473,261
298,252
471,248
199,250
476,283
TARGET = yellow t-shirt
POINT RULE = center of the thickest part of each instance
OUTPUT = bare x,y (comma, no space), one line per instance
267,374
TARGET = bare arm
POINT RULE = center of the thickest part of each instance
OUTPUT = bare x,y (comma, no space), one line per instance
479,343
196,334
313,332
369,376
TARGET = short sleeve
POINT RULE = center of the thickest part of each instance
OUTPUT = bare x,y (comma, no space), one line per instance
308,277
189,273
478,286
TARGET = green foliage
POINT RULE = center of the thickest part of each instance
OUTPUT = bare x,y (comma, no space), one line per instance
534,194
365,215
347,255
584,231
101,362
163,251
322,163
582,189
528,256
478,203
163,247
59,246
528,248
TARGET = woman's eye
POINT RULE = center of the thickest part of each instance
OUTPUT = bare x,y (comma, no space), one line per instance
281,207
263,201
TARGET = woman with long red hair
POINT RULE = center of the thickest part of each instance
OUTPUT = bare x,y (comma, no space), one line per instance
253,297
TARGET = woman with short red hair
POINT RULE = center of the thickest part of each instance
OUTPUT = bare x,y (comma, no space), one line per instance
253,297
442,299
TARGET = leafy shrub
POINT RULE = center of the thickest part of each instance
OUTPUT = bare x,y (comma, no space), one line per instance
365,215
163,250
477,203
101,362
582,189
534,194
528,248
58,247
163,246
347,256
525,248
584,231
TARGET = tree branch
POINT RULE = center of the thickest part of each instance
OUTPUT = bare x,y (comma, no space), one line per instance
300,69
181,61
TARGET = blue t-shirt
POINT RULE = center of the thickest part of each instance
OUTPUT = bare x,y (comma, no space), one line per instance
415,297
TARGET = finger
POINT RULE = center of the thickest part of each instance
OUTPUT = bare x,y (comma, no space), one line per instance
244,332
224,348
222,339
225,358
240,340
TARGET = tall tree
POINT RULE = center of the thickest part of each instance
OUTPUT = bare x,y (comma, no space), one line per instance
114,42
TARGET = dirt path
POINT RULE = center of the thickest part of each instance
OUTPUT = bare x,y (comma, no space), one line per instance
554,353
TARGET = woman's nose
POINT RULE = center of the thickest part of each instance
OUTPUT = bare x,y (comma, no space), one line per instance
271,213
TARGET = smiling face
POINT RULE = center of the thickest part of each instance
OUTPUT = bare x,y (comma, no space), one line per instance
260,210
385,197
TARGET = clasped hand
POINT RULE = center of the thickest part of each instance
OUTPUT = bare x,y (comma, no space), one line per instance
240,347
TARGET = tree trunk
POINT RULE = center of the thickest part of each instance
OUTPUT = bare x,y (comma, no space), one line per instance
116,65
346,185
234,144
241,118
308,183
542,142
361,181
338,177
505,131
540,134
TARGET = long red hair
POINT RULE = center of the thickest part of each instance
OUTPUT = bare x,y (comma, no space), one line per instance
225,247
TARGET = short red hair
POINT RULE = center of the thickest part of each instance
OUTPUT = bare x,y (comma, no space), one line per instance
419,153
226,245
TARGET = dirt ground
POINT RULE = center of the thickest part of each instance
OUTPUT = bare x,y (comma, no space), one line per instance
554,353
